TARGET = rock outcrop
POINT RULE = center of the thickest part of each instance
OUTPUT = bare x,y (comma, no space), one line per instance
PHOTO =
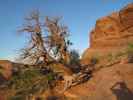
6,69
111,33
115,27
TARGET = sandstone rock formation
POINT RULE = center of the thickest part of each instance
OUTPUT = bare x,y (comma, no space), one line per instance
112,33
117,26
6,68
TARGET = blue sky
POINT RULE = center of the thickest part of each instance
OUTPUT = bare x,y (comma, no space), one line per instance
79,15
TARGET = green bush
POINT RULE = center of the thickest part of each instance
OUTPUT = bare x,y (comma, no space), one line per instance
130,48
28,81
50,77
74,61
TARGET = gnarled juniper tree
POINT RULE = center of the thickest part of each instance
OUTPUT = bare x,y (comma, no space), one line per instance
48,40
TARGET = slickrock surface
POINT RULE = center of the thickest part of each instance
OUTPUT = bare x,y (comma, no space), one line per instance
111,83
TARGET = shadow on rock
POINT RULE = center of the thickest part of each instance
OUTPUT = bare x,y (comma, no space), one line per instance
121,91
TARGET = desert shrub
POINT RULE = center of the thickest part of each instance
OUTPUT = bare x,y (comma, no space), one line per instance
130,52
74,61
28,81
50,76
94,60
110,57
120,53
116,56
18,97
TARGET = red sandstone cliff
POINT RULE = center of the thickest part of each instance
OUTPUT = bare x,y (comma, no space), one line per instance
111,33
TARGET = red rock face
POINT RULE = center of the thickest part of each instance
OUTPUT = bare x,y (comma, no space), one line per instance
111,33
114,29
126,17
6,67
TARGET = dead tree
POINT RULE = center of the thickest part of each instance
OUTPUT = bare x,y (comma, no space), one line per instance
58,42
36,48
51,45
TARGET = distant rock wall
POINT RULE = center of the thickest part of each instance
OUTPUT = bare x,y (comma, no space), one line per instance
6,68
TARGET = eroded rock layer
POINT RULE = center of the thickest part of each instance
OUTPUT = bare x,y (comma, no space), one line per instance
112,33
113,30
